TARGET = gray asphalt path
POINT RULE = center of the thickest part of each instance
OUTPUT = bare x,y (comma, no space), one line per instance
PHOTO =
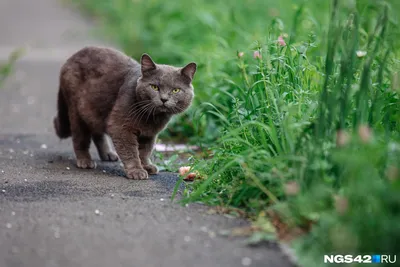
52,214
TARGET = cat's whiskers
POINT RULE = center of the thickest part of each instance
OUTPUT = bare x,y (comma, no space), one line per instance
147,110
142,111
137,105
138,109
176,110
139,112
151,111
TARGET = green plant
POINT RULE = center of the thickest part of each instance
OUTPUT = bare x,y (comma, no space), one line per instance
7,68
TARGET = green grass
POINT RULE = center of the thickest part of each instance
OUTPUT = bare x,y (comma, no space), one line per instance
7,67
308,130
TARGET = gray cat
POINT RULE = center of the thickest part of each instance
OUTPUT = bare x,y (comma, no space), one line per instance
102,91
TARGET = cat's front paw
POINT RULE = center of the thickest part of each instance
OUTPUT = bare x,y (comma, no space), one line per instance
136,174
109,156
151,169
85,163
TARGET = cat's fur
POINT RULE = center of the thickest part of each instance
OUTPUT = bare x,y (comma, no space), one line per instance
102,91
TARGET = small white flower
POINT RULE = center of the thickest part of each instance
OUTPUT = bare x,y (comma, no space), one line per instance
361,53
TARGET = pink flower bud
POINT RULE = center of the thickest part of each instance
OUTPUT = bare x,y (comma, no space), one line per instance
392,173
341,204
257,54
365,133
342,138
292,188
281,41
240,54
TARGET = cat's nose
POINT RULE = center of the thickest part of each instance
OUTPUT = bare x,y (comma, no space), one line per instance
164,100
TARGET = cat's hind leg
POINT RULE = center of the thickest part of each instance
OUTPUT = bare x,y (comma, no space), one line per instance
81,138
103,147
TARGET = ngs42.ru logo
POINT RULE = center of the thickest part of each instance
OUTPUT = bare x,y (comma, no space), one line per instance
359,259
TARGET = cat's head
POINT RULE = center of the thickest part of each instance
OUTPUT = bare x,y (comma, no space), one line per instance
169,89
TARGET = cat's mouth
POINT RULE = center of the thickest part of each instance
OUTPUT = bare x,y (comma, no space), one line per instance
163,109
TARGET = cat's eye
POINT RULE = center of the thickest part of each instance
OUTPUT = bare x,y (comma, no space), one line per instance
154,87
176,90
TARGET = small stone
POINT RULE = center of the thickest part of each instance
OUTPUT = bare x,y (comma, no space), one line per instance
212,234
97,212
13,213
2,171
31,100
204,229
187,238
31,155
9,225
18,141
187,205
25,152
112,195
104,171
3,190
188,219
14,250
11,150
68,168
246,261
161,199
43,146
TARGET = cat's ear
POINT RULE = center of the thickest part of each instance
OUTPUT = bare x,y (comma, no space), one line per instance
147,63
189,70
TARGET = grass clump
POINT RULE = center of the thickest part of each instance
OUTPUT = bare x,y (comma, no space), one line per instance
7,67
301,122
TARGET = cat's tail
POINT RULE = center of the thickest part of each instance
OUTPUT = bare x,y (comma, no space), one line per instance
61,121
